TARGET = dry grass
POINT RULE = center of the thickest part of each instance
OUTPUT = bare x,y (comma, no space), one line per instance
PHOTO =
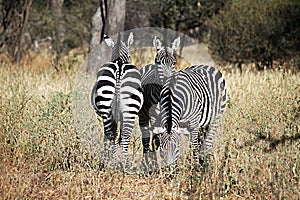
256,157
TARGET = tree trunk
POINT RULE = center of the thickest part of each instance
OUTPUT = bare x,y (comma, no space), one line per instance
23,30
98,24
109,19
115,17
58,29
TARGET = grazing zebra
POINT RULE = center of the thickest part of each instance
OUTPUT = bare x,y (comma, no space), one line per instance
117,97
153,78
194,98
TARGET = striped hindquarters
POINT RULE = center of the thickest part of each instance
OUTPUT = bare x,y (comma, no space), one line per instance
131,95
117,91
104,89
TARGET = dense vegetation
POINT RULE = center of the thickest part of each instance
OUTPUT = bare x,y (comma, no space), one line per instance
257,31
238,32
42,157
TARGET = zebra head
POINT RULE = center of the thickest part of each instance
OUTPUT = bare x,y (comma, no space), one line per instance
165,56
169,147
120,51
170,109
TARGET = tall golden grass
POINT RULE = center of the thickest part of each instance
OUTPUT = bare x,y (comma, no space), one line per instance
256,157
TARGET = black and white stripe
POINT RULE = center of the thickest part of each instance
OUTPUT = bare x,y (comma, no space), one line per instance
194,98
153,78
117,97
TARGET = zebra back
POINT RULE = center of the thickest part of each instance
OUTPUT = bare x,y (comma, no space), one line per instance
216,85
183,98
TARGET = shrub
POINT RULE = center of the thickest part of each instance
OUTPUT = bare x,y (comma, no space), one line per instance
256,31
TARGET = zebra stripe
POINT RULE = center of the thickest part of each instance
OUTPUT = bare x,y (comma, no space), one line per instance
117,97
194,98
153,78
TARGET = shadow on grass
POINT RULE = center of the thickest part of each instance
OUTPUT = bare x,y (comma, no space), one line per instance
273,142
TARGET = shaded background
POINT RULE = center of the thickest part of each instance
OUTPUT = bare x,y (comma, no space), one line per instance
264,33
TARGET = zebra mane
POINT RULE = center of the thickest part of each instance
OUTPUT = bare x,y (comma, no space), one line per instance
169,119
173,79
172,82
116,54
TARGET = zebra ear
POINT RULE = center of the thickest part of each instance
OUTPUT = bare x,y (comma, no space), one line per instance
176,43
108,41
130,39
157,43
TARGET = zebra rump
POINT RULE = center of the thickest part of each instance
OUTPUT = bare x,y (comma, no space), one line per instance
117,97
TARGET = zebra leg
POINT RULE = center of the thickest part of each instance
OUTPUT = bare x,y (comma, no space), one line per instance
106,156
155,157
156,131
114,144
144,127
195,143
208,142
125,133
109,136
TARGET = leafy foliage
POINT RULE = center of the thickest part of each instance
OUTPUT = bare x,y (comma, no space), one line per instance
238,31
256,31
76,21
185,16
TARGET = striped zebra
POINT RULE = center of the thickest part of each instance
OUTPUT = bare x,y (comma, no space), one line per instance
153,78
117,97
195,99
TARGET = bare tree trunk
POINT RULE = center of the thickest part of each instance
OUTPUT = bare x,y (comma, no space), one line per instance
115,17
13,17
59,29
98,25
109,19
23,30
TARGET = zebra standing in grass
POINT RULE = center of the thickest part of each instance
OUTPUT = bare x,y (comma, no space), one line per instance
153,78
117,97
194,98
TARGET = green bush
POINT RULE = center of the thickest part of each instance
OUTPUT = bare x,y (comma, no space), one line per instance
256,31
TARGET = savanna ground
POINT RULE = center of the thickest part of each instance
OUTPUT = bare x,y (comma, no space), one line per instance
257,156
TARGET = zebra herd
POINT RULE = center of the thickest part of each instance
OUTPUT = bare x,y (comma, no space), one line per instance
167,102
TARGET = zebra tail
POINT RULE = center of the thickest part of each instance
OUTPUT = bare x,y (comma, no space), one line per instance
116,109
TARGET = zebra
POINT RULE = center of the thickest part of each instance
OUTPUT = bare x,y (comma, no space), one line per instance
117,97
153,78
195,99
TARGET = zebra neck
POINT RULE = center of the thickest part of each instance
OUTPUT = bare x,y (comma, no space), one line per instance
163,73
